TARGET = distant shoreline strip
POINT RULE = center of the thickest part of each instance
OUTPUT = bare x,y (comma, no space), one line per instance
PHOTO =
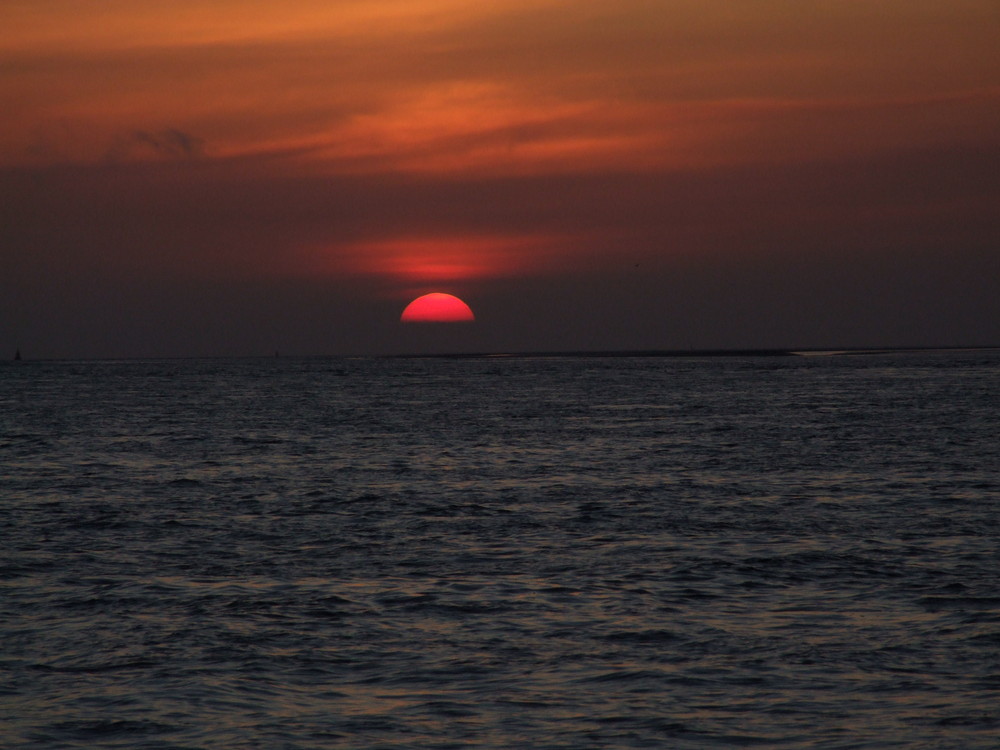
698,353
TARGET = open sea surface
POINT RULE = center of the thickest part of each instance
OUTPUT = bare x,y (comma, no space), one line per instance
791,552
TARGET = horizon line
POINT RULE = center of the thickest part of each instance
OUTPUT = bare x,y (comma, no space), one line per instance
555,353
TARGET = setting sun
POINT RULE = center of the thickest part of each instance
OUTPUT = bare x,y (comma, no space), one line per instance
437,308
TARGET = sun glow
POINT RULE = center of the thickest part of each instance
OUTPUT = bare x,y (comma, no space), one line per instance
429,261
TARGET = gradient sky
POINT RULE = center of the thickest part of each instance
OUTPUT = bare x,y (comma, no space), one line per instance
238,177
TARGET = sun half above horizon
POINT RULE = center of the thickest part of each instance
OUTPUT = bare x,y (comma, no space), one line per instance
437,307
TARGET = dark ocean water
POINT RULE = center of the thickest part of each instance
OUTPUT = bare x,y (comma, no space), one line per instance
534,553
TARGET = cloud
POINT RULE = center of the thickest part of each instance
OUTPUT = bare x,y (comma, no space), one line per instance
166,144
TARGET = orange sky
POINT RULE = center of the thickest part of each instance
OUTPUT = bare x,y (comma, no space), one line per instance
460,142
519,87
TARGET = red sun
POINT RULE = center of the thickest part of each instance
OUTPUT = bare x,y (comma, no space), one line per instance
437,308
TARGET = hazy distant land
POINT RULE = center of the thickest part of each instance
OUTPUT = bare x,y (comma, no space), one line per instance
829,352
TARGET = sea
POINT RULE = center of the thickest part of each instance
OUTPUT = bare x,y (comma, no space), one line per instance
501,552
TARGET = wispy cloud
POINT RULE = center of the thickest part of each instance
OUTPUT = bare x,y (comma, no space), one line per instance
168,143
